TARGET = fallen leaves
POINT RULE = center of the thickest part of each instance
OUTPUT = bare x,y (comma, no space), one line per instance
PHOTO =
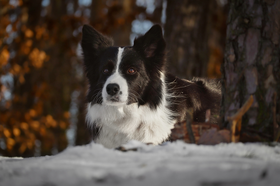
214,136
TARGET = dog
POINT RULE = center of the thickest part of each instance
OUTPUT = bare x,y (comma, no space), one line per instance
131,95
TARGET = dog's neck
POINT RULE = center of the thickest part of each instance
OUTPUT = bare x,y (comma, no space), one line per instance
119,124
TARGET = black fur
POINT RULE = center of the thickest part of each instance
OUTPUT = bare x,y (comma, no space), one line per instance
147,56
199,94
94,44
151,49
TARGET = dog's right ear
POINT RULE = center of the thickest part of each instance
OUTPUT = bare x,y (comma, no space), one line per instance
152,43
93,41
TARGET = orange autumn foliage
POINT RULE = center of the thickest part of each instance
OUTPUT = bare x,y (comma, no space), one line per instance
38,50
38,57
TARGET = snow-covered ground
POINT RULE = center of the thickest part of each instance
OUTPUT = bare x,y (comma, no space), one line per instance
171,164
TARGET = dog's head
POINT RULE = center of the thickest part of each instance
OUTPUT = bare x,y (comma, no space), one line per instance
124,75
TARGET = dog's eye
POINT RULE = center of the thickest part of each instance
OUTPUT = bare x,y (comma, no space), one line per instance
106,71
131,71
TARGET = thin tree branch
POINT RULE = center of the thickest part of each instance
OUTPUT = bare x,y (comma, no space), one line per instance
236,119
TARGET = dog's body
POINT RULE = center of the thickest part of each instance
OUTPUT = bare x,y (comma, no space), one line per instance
132,97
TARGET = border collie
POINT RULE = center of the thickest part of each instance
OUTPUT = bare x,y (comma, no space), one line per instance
132,97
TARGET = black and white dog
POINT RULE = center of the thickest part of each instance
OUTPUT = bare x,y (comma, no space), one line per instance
132,97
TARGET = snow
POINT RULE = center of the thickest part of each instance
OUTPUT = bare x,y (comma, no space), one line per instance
170,164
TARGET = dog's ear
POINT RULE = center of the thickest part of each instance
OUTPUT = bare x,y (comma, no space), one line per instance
152,43
92,44
93,41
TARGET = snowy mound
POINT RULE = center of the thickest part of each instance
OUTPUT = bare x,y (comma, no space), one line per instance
171,164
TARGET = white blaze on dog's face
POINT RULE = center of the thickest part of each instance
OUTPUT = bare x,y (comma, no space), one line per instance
115,89
123,75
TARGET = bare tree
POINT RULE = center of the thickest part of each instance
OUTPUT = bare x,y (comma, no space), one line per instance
192,30
252,66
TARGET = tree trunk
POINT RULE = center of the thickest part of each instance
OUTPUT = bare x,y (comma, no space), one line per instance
187,29
83,133
251,65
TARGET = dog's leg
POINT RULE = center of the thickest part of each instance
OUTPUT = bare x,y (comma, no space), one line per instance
189,119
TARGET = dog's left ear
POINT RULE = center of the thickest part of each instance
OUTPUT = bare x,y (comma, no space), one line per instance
152,43
93,41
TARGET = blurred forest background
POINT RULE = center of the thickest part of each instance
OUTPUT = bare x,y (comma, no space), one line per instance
42,85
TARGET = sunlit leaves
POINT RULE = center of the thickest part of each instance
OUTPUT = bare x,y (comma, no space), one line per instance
37,58
38,109
50,122
7,133
66,115
22,148
40,31
38,48
15,69
35,125
24,126
4,57
22,136
16,132
26,47
28,33
10,143
32,113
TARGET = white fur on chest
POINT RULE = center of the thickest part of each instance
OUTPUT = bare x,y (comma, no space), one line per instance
130,122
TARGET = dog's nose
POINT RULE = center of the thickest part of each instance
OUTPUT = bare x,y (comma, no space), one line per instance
112,89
